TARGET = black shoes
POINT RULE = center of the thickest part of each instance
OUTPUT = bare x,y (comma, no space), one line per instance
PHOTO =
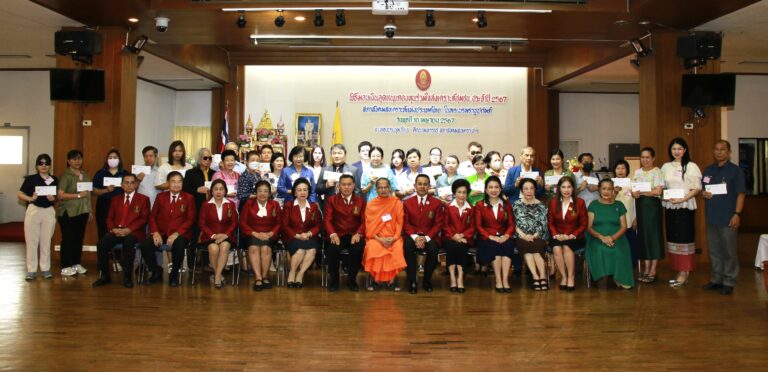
258,286
413,288
428,287
157,277
461,290
101,281
712,286
726,290
353,286
333,287
127,282
173,281
454,289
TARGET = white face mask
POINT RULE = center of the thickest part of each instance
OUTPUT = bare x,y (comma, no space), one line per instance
113,163
254,165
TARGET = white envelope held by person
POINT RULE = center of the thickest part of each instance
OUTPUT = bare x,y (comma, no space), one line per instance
641,186
432,171
443,191
138,169
378,172
552,180
531,175
45,190
112,181
674,194
717,189
264,168
84,186
624,183
478,186
594,181
332,176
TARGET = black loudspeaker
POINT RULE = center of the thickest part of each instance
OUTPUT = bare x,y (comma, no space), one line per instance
82,43
618,151
700,45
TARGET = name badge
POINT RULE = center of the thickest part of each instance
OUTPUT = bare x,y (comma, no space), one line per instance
679,173
706,179
387,217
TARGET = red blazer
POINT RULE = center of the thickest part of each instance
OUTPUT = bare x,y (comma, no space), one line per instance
179,219
575,221
209,220
487,224
344,219
136,218
293,225
250,222
428,221
459,224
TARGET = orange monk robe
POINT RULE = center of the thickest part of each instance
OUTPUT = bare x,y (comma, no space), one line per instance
382,262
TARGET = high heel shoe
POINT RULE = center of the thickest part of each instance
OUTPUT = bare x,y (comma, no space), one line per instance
677,284
453,289
544,284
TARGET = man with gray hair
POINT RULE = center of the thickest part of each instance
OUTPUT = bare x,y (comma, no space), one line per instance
239,167
338,164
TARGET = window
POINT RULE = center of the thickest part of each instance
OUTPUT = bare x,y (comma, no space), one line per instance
753,160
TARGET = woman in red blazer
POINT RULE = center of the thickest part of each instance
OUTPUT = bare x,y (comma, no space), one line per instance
301,226
495,225
567,223
260,227
458,229
217,222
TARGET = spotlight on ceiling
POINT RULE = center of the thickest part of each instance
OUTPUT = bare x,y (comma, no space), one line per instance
430,20
640,49
481,21
241,22
319,22
341,20
280,20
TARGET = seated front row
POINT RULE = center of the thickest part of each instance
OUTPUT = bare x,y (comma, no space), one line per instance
385,235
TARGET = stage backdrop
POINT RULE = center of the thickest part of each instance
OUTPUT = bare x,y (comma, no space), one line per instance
396,107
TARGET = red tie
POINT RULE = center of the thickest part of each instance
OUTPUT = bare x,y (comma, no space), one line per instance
126,208
173,202
421,204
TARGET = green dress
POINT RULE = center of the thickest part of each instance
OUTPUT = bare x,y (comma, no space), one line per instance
613,261
472,179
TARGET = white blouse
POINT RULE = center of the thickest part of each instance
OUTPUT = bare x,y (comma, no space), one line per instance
674,179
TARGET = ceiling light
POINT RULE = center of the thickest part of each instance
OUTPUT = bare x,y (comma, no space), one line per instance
340,19
241,22
644,23
280,20
640,49
516,40
416,9
481,21
300,18
319,22
133,20
429,21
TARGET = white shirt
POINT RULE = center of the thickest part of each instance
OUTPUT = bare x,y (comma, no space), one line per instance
303,211
461,209
495,208
130,197
165,168
219,208
565,207
262,212
147,186
422,200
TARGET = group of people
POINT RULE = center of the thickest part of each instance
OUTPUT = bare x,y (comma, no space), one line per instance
384,217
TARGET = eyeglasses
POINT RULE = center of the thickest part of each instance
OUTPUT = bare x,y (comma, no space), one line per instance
207,157
42,164
475,153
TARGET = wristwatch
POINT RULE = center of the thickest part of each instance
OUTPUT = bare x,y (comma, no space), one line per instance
737,213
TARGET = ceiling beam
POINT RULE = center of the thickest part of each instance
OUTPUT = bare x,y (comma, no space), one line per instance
207,61
566,63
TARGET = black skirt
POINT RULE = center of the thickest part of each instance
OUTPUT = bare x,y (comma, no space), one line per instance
259,243
297,244
487,250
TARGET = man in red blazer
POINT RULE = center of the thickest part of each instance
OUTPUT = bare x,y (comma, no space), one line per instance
170,223
126,221
423,222
345,229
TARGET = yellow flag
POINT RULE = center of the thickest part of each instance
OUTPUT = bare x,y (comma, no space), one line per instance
337,126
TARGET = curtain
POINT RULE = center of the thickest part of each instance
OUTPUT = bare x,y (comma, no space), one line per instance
194,138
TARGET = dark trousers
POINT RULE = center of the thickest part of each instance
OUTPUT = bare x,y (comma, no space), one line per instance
355,258
410,251
148,250
72,233
129,252
102,212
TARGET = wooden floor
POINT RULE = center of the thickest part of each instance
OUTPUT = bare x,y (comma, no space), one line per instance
63,324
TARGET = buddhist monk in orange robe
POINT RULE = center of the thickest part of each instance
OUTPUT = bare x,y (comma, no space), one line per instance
383,257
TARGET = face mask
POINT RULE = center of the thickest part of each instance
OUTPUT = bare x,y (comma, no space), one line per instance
113,162
588,167
254,165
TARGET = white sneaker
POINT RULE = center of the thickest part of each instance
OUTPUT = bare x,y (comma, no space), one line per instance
80,269
68,271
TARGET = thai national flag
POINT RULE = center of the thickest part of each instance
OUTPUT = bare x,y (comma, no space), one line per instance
224,132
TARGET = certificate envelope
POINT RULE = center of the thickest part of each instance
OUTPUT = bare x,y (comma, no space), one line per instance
45,190
592,181
379,172
332,176
446,190
478,186
216,159
717,189
264,167
432,171
146,169
112,181
552,180
207,184
621,182
674,194
531,175
641,186
84,186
